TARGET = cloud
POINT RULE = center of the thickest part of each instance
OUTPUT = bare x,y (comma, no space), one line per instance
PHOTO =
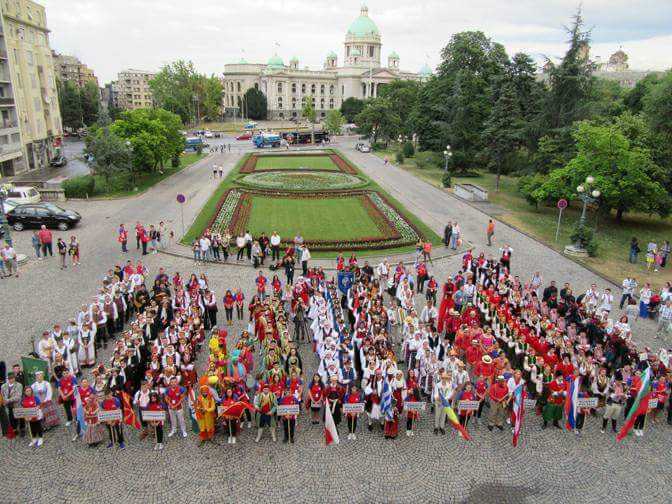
111,36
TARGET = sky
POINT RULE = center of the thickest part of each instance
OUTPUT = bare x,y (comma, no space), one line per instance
110,36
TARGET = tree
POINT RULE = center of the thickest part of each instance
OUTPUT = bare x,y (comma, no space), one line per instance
110,154
351,107
658,107
622,173
379,120
70,104
90,100
175,89
211,91
503,129
308,112
634,99
254,104
402,96
334,122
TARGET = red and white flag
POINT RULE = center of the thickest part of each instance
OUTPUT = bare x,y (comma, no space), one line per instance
330,432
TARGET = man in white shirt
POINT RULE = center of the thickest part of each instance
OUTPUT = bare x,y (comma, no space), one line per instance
606,301
591,297
10,261
629,286
305,257
275,246
429,313
443,392
204,245
664,318
240,244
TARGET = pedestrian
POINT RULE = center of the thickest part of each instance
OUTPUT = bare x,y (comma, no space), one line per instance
289,265
240,244
490,232
34,423
305,257
73,250
163,235
665,252
122,237
10,260
275,246
499,394
46,241
35,240
196,249
629,285
214,171
664,319
144,239
240,300
455,240
114,428
138,235
153,239
645,294
229,147
62,252
447,231
248,244
221,171
634,250
427,252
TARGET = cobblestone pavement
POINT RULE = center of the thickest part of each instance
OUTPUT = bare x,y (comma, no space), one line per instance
547,466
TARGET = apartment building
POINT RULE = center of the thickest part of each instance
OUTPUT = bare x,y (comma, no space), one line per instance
110,95
70,68
30,120
133,89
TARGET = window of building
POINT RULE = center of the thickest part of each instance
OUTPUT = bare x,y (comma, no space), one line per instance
239,87
293,114
256,86
281,115
279,103
370,51
37,103
331,103
312,89
347,51
331,89
321,88
279,87
293,103
293,87
29,57
312,101
303,102
322,114
342,90
33,80
322,103
303,87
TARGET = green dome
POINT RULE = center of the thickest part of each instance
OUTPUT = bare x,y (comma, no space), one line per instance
425,71
294,60
363,26
332,54
394,55
356,52
242,61
275,61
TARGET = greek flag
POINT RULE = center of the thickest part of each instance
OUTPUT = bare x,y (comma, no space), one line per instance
386,402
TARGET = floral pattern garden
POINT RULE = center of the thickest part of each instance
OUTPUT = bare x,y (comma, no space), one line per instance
334,210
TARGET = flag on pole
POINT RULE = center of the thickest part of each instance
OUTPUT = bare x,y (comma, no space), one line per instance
571,409
386,401
452,418
130,418
79,412
330,432
639,407
518,412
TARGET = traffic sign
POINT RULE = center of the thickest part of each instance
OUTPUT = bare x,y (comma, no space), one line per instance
181,198
562,203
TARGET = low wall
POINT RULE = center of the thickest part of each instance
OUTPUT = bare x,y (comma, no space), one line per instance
51,194
470,192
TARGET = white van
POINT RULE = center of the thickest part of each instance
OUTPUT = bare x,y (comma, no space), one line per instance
23,195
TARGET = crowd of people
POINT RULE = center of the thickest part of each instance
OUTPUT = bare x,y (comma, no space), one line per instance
150,239
386,345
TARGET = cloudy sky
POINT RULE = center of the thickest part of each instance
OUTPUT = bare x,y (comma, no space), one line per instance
112,35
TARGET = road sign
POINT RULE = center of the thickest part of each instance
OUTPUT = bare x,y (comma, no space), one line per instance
562,203
181,198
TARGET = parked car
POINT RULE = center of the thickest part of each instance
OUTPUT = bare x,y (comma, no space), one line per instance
8,205
35,215
244,136
23,194
59,161
362,147
207,134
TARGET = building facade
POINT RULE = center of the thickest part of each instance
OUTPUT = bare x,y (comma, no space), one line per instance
109,95
288,87
133,91
69,68
30,126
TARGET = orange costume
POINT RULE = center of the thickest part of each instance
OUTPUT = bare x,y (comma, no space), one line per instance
205,414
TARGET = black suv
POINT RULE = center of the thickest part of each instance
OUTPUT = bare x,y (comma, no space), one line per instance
36,214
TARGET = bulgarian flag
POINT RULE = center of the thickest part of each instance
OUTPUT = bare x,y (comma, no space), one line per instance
130,418
452,418
639,407
330,432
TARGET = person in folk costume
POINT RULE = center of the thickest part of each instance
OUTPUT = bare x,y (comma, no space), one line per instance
42,390
266,404
206,412
94,433
288,421
467,394
114,427
30,400
87,344
210,305
141,401
411,393
66,390
156,405
391,428
333,398
447,303
373,393
553,409
315,399
240,394
231,423
235,369
99,318
174,396
70,343
111,316
293,362
353,396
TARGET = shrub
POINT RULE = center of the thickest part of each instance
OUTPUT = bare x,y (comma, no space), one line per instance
527,185
583,236
79,187
428,159
199,149
446,180
409,150
400,157
379,145
175,162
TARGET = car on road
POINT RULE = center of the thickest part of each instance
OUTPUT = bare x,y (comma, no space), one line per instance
38,214
23,194
8,205
58,161
207,134
362,147
244,136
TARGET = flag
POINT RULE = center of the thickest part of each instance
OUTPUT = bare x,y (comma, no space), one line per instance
130,418
236,409
518,412
639,407
452,418
345,280
79,409
330,432
570,402
386,402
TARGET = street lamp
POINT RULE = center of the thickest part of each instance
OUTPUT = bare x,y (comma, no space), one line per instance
129,146
4,225
587,196
447,154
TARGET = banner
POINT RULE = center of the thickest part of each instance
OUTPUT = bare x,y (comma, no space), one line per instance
109,415
415,405
288,409
153,416
26,412
30,366
468,405
353,407
586,402
345,281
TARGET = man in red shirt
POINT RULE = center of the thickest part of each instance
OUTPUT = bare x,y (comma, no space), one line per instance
45,240
66,389
556,397
499,395
174,398
113,426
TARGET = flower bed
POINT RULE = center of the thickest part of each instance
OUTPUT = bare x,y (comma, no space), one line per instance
301,181
344,166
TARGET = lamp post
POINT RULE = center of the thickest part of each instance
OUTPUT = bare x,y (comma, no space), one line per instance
588,193
447,154
4,225
129,146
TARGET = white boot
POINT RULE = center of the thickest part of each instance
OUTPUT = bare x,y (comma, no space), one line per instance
273,434
259,433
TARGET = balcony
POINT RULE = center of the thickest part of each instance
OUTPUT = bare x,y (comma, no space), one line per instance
6,101
10,151
3,55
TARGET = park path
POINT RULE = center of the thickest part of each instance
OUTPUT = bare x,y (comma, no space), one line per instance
436,207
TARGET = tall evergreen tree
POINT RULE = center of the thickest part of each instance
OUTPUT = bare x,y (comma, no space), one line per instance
90,100
70,104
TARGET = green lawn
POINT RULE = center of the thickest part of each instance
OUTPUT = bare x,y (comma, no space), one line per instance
316,219
613,237
295,163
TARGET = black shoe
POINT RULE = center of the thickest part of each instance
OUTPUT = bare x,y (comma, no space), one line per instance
544,425
436,432
500,427
370,427
490,428
285,440
442,431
